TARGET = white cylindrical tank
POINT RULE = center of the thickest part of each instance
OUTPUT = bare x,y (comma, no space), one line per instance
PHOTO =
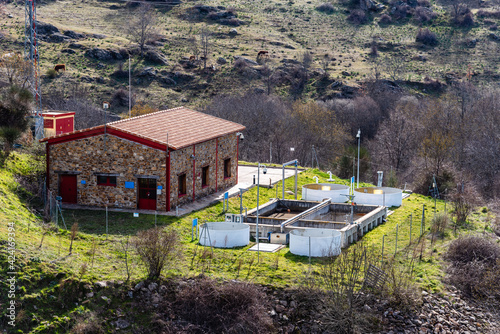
224,235
320,191
315,242
384,196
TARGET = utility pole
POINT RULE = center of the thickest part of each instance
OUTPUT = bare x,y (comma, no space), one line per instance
359,138
129,90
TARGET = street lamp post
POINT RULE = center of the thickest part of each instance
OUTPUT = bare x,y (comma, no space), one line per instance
264,170
359,137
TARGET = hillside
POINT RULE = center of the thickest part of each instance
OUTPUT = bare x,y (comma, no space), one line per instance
348,46
87,290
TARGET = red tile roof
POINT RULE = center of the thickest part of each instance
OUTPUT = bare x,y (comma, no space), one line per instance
184,127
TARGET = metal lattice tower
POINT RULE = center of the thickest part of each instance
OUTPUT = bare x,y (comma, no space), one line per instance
32,56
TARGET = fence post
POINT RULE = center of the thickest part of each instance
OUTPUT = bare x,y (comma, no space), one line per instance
382,258
422,222
411,223
396,248
106,222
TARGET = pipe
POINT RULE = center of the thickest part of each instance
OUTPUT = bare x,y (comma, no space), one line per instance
296,162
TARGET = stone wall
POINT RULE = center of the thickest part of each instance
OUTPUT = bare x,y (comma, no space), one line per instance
89,156
206,154
93,155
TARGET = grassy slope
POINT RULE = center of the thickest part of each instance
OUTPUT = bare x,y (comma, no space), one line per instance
297,25
48,270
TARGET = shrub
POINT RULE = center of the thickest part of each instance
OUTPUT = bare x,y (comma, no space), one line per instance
490,14
401,11
427,37
231,307
439,224
423,14
120,98
357,16
385,19
326,7
156,247
51,73
424,3
467,20
240,64
475,266
473,249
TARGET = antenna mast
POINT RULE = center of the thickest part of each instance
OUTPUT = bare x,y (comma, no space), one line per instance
32,56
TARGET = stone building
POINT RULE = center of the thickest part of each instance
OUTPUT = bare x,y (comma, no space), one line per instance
153,162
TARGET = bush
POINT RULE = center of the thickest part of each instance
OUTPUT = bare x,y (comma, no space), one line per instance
240,64
485,13
475,266
466,20
120,98
423,14
326,7
385,19
427,37
51,73
357,17
424,3
231,307
473,249
156,248
439,223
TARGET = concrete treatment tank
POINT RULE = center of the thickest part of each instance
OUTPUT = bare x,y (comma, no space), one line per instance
224,235
320,191
384,196
316,242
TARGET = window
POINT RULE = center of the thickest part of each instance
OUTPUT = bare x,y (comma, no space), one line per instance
182,185
205,176
227,168
104,180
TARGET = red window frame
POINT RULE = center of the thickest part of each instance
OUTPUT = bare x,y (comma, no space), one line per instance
110,180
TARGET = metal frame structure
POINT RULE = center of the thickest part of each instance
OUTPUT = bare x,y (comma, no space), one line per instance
32,56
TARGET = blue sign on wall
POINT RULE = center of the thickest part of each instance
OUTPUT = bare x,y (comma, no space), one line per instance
83,182
160,187
129,185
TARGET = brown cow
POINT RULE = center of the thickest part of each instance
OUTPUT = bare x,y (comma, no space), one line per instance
263,54
192,58
60,67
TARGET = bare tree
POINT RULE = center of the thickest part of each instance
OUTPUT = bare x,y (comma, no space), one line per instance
206,43
74,232
16,69
396,67
194,47
156,248
142,25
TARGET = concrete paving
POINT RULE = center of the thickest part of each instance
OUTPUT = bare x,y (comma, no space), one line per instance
245,181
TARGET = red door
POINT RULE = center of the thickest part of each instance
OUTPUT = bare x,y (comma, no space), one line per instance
147,194
67,188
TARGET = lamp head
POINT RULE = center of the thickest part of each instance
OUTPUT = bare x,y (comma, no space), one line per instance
264,170
359,133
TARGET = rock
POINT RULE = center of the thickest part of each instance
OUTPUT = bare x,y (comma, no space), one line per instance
345,73
68,51
279,308
45,28
169,82
367,308
101,284
100,66
99,36
121,324
272,313
424,293
283,302
99,54
75,46
336,84
10,16
494,37
113,7
147,71
130,294
90,295
221,61
293,304
74,35
116,54
105,298
233,32
152,286
156,57
58,38
139,285
248,61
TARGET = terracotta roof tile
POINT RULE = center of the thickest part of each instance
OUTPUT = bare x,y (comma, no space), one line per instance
184,126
